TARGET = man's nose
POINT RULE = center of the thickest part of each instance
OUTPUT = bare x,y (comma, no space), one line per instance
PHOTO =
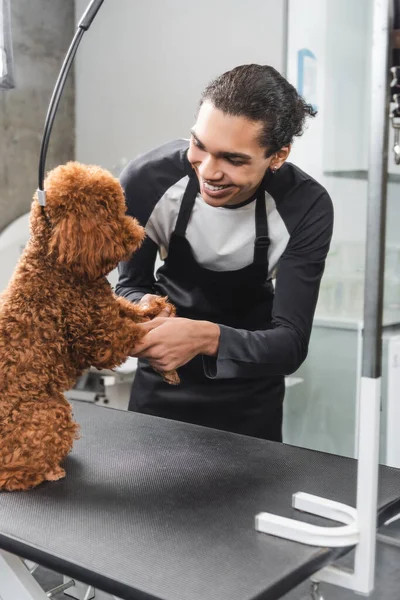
209,169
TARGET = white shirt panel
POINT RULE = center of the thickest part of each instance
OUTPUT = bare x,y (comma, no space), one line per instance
222,239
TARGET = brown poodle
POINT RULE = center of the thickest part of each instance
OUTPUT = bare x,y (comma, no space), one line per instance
59,316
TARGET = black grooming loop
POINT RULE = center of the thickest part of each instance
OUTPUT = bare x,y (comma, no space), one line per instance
83,26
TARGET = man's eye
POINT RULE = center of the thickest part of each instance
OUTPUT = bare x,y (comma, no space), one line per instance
196,143
236,162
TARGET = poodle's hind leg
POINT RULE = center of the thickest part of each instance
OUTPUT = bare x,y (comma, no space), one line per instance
19,479
25,477
35,440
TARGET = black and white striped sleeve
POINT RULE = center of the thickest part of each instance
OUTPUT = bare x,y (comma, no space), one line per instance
136,275
144,181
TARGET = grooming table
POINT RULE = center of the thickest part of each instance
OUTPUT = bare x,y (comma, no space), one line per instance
157,509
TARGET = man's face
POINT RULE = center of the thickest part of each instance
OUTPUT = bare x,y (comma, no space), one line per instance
226,155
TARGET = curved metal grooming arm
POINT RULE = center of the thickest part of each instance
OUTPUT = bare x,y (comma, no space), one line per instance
83,26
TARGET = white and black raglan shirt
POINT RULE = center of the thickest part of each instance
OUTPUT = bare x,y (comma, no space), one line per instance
300,222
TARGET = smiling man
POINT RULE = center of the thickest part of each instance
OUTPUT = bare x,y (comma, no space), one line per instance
228,216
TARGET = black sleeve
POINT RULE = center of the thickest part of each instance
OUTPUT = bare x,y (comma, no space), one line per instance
282,349
136,276
144,181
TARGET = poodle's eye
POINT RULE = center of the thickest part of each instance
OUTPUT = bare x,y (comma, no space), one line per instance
103,203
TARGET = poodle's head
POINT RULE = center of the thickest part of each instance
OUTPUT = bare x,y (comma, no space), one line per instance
84,224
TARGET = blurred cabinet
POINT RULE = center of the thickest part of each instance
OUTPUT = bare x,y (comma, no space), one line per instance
321,412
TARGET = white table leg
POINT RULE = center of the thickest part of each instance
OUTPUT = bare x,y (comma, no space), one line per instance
16,581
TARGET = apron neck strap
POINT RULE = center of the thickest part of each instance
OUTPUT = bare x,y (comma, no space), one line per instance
188,200
262,241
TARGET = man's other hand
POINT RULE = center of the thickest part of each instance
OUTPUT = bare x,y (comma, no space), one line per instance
170,343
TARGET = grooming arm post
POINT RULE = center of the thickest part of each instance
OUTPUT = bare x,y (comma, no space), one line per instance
363,528
362,580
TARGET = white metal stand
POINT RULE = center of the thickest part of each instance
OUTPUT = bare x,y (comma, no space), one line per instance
314,592
393,404
359,527
17,583
80,591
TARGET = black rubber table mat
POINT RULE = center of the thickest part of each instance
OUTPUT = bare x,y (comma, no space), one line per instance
153,508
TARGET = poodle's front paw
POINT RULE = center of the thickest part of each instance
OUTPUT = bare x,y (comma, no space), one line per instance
153,306
170,377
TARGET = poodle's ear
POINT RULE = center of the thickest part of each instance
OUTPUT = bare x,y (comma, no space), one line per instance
37,221
91,247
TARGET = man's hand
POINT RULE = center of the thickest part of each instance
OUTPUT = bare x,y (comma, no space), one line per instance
171,343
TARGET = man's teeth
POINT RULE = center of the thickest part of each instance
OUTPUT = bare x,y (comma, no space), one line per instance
214,188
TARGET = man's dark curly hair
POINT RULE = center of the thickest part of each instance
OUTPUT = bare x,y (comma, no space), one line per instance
260,93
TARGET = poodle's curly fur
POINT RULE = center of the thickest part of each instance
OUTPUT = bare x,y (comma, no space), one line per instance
59,316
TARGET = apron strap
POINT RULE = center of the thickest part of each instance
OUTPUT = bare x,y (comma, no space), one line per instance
262,241
188,200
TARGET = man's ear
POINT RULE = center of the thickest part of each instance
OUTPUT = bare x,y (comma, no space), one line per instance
280,157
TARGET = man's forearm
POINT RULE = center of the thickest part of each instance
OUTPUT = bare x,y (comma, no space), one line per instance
208,335
254,354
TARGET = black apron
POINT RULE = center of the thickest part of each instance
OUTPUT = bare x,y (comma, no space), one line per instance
241,299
